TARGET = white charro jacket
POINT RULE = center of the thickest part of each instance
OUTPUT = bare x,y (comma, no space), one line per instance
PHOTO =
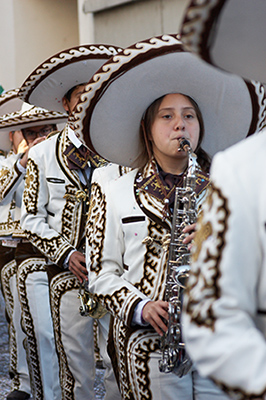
54,200
125,252
225,306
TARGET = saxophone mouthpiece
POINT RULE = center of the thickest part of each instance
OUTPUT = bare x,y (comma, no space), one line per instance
184,144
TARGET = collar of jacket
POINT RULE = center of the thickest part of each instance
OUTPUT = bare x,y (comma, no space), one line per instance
62,143
150,197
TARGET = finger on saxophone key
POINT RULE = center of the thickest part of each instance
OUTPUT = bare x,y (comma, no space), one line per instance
190,232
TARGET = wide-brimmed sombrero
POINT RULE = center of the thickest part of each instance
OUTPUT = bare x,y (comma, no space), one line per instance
31,116
108,116
50,81
229,34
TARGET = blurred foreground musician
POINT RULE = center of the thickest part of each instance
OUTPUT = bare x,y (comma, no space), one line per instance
225,306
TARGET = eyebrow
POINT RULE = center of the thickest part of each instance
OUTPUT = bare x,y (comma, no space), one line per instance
172,108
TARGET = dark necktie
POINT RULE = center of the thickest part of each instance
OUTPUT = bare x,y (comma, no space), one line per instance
77,158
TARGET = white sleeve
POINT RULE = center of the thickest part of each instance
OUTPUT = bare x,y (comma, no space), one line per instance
104,255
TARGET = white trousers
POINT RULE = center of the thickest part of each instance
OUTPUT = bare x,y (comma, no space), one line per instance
37,323
141,378
75,342
18,361
190,387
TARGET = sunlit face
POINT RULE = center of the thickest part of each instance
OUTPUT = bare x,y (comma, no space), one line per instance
69,105
176,118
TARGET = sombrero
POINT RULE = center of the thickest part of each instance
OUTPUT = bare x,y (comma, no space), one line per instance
50,81
108,116
9,102
229,34
30,116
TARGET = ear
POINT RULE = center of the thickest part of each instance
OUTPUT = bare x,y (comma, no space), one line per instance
66,104
11,136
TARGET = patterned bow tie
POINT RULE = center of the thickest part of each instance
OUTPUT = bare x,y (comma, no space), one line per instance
77,158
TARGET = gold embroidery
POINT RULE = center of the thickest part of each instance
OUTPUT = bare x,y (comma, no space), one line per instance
203,284
95,228
31,190
3,173
202,235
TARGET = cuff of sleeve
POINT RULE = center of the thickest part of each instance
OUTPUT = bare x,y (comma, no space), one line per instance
20,168
66,260
137,316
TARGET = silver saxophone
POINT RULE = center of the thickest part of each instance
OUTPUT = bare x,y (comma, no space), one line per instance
174,357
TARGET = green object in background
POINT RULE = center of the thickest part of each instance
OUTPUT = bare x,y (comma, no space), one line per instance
1,89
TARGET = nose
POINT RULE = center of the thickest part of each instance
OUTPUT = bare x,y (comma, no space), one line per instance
179,124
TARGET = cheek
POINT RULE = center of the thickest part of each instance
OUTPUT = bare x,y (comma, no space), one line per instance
158,140
195,137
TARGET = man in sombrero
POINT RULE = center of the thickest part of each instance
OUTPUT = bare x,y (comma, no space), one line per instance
31,376
55,205
225,307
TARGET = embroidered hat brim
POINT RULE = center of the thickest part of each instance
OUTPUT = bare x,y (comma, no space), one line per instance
50,81
33,116
9,102
108,116
229,34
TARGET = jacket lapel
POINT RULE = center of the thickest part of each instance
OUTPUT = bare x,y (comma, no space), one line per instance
63,142
150,197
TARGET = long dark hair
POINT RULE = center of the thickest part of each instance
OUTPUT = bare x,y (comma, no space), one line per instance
203,158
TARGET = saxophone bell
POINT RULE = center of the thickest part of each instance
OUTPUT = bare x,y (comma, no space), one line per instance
89,306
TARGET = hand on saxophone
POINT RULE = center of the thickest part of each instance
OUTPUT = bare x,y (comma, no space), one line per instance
77,265
190,231
155,313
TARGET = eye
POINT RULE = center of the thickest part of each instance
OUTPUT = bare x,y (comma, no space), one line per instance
45,131
189,116
166,116
30,133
